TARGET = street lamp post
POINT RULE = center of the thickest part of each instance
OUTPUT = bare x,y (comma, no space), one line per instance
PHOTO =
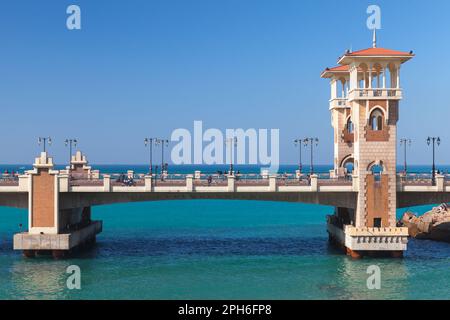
162,142
44,141
433,140
311,142
149,142
298,143
231,142
405,142
69,143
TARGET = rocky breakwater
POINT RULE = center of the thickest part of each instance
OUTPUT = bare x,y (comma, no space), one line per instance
433,225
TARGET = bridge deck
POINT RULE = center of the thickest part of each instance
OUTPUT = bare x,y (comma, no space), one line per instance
413,180
108,189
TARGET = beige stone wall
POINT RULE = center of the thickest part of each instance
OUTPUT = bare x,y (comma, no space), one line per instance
370,152
342,149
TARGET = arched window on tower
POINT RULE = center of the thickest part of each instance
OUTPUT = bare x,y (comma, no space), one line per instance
377,171
349,125
376,120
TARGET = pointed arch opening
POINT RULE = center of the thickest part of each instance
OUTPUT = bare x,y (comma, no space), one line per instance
376,120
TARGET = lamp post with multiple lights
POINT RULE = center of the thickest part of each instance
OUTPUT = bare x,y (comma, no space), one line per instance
433,141
44,141
298,143
311,142
231,142
405,142
69,143
163,143
148,142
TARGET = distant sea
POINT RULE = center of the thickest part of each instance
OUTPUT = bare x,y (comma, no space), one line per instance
218,249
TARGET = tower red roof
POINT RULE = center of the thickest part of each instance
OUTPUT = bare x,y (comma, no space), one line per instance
376,52
379,52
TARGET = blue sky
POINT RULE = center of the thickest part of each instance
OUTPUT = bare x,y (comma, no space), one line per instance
145,68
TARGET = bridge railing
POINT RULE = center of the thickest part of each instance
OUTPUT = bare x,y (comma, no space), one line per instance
9,180
203,180
415,178
420,178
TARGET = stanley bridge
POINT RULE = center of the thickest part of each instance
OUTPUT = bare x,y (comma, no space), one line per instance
365,107
59,201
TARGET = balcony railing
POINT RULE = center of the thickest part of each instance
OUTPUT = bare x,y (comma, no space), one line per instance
338,103
347,136
375,93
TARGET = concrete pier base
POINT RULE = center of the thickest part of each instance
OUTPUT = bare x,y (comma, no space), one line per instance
372,242
58,245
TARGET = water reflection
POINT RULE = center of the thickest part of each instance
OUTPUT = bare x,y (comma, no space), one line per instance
38,279
352,278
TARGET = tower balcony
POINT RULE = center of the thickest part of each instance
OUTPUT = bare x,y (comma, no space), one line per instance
375,94
347,137
337,103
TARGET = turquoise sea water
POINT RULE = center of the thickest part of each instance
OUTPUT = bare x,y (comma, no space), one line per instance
218,249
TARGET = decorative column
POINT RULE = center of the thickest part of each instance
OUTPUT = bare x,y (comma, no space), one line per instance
273,183
314,186
440,183
43,208
106,183
231,183
148,183
333,89
189,183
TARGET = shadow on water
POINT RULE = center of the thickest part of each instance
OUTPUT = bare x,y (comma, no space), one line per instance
138,247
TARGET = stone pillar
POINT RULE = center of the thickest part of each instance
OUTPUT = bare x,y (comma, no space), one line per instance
63,181
23,182
401,179
95,174
231,183
53,227
314,186
43,206
440,183
333,88
189,183
106,183
148,183
273,183
130,174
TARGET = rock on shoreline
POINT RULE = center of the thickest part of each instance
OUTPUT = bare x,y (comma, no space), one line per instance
433,225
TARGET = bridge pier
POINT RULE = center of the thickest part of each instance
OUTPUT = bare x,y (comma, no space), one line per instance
52,230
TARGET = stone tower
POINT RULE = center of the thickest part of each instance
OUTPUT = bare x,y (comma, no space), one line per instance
364,104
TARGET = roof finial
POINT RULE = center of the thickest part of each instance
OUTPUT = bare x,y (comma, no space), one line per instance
374,40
